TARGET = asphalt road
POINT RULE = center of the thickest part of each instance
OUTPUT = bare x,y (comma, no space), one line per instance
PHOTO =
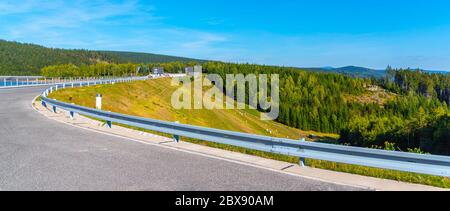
37,153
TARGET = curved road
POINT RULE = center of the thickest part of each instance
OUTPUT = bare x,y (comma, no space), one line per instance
37,153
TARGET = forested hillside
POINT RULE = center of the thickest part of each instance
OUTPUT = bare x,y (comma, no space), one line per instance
132,57
28,59
418,82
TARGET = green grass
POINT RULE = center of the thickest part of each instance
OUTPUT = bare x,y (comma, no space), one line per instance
152,99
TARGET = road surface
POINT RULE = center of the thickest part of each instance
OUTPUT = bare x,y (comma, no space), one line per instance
37,153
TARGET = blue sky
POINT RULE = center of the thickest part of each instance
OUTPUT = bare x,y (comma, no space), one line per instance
369,33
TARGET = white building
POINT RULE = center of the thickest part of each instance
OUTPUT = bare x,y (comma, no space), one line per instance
195,71
158,71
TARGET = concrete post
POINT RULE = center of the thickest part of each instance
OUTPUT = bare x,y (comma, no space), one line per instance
302,161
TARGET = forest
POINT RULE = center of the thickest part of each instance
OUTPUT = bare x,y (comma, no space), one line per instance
417,119
28,59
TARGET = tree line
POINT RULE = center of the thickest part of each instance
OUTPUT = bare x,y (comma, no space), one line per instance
429,85
101,69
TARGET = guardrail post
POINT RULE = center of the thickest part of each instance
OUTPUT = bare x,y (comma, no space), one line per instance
72,115
302,162
109,124
177,138
44,104
54,109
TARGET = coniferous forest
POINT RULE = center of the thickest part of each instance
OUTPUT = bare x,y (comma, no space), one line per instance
28,59
415,118
412,115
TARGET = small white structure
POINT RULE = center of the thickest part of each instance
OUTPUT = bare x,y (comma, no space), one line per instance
98,102
159,71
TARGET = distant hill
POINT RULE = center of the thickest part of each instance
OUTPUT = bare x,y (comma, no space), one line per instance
27,59
353,71
438,71
363,72
360,71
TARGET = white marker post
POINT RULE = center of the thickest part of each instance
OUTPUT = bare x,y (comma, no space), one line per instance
98,105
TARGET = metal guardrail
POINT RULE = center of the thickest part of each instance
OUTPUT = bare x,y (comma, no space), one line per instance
31,81
402,161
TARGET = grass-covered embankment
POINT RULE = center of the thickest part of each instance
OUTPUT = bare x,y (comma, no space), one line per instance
152,99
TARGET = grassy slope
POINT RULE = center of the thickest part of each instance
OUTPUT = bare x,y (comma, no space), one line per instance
152,99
